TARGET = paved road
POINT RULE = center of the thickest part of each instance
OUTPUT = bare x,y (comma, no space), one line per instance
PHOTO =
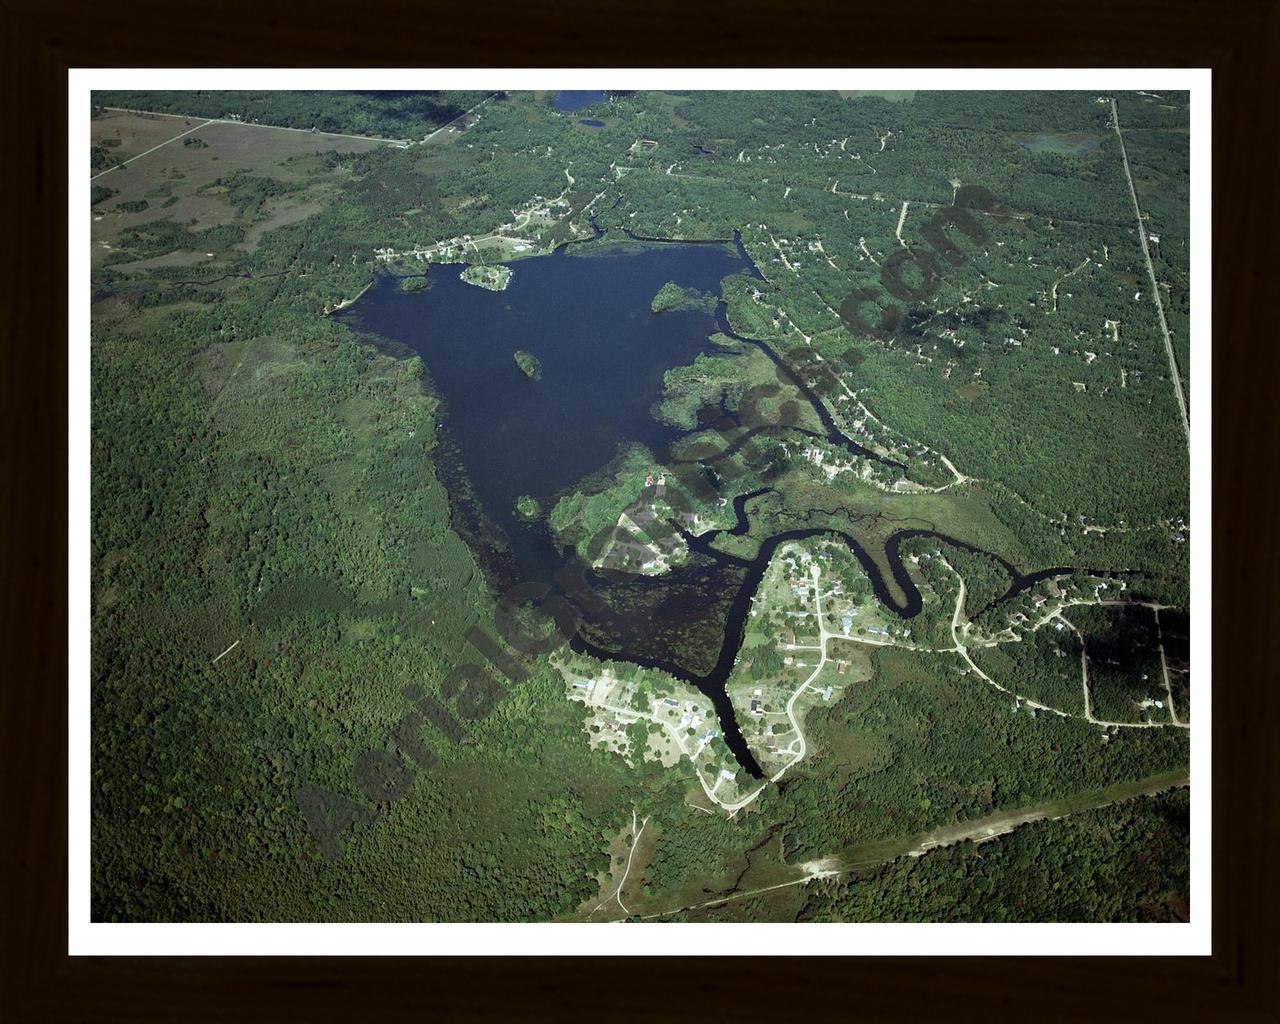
1151,273
126,163
254,124
459,117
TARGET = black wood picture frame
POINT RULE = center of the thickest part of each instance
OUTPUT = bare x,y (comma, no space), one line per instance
1238,39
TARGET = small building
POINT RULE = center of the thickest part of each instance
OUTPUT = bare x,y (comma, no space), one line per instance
756,709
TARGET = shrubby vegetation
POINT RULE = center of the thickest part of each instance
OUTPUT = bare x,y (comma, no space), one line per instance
671,296
529,364
414,284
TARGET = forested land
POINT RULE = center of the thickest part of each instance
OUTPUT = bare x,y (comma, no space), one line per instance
1121,863
273,558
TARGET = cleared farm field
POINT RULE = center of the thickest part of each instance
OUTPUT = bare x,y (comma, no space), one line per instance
125,135
180,182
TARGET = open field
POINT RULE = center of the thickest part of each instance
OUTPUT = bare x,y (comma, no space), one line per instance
123,134
180,183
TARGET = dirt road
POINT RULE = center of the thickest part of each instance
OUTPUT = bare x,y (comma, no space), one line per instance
1151,273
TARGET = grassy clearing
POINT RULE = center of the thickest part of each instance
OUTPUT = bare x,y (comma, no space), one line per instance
123,135
180,183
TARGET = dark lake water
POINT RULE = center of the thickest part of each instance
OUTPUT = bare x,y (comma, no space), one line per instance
568,101
603,353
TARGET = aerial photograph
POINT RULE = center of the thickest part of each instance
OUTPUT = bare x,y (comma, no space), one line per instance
640,506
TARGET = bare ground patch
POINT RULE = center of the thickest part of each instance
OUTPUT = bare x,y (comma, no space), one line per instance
177,258
278,213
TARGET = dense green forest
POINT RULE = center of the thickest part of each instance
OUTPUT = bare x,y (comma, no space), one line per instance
282,599
924,744
1122,863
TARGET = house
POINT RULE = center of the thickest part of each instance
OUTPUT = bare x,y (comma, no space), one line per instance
756,709
757,692
842,666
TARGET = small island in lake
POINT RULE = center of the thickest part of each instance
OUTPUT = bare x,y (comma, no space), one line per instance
527,507
528,364
671,296
495,279
414,284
